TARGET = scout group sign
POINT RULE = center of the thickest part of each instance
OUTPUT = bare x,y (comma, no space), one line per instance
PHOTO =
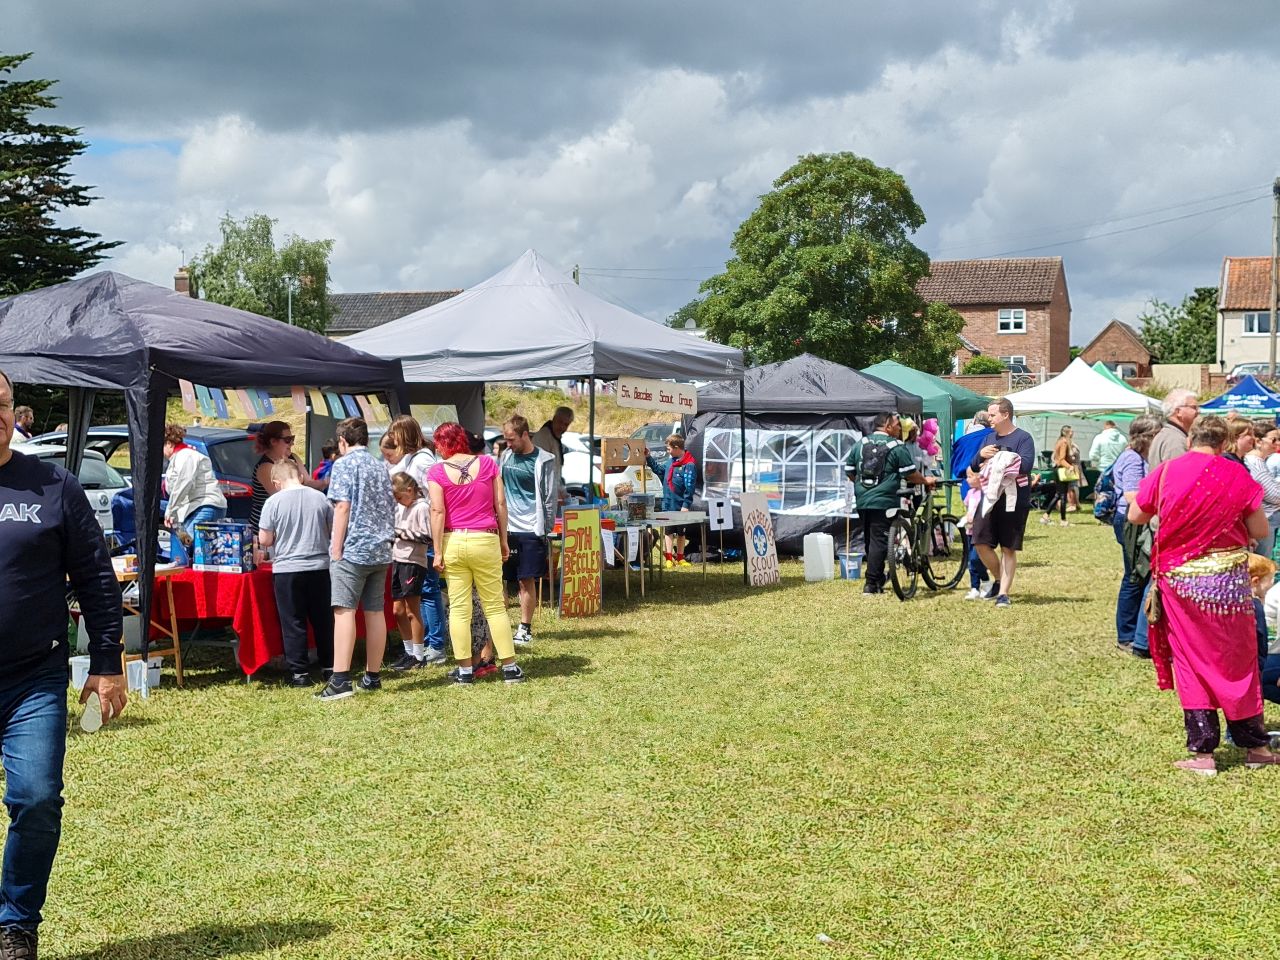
580,564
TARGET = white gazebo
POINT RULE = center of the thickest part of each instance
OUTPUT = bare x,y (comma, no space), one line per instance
1080,389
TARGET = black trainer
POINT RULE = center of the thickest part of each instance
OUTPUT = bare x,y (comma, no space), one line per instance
993,593
462,679
17,944
511,673
300,680
336,691
369,683
406,663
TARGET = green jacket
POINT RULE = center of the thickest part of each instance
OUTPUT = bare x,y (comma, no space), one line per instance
898,464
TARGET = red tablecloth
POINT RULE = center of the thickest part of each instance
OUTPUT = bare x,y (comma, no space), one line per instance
246,601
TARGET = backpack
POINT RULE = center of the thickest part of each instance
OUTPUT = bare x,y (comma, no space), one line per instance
871,462
1104,498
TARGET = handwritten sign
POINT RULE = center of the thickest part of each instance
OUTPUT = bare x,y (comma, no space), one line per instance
639,394
762,549
580,564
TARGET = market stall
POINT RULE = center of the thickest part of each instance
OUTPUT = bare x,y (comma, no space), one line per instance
107,331
1248,397
1080,389
948,402
789,439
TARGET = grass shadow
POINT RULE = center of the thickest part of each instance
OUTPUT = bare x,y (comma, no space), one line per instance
210,940
559,665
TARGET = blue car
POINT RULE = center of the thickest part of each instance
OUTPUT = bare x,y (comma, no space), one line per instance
230,451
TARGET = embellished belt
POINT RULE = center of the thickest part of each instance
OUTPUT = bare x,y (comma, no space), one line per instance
1217,582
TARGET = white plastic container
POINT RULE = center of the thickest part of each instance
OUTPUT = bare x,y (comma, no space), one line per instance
79,672
153,671
136,674
819,557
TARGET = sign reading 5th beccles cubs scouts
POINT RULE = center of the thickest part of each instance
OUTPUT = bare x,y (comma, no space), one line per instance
640,394
757,532
580,564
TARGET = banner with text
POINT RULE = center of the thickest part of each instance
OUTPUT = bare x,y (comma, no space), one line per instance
677,398
762,549
580,564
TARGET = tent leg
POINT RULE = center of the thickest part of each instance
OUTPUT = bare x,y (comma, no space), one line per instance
742,445
79,416
591,439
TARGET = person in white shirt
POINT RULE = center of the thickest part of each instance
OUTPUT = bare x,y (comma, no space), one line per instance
194,496
1106,446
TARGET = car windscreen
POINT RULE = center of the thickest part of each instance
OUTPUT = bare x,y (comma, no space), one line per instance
95,474
233,458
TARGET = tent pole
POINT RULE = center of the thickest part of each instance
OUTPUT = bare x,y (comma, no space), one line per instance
591,439
742,445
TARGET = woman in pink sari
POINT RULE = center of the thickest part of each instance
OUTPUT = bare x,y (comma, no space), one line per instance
1204,642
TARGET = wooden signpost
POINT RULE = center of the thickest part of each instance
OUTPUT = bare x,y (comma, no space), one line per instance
580,564
759,543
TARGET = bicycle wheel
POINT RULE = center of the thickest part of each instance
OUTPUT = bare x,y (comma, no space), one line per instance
947,553
903,568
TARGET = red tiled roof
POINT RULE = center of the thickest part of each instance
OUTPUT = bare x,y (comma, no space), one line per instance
972,282
1246,283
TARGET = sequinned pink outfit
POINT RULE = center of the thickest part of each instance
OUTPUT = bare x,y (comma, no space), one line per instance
1205,644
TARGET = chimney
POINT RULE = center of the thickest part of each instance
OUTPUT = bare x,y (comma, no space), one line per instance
182,281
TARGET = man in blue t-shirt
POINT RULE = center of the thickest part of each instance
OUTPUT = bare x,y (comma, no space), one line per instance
364,524
1000,526
49,541
529,477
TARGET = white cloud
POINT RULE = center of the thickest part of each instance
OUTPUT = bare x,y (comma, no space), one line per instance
1027,146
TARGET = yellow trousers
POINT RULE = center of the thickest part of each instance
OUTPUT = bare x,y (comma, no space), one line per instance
475,558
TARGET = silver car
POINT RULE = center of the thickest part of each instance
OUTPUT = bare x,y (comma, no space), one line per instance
100,480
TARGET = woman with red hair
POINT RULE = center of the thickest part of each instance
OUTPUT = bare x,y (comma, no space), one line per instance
469,528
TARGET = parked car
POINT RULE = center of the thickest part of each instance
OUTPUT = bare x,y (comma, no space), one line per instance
1242,370
100,480
654,436
112,442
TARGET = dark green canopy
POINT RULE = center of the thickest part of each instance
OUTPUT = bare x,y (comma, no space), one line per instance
942,399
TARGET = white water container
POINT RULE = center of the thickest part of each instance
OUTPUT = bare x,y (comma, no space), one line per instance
819,557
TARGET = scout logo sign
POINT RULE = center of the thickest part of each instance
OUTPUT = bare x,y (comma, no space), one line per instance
640,394
580,564
757,532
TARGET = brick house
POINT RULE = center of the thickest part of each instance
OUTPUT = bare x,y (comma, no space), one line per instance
354,312
1120,348
1244,311
1017,310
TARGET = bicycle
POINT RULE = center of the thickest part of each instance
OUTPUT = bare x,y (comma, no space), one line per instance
925,543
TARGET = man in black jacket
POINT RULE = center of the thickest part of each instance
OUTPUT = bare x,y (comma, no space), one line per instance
49,540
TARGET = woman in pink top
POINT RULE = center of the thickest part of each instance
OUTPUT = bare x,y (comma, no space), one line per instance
1203,643
469,518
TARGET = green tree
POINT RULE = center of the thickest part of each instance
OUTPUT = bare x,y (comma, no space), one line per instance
983,364
35,186
1187,333
690,311
824,266
248,272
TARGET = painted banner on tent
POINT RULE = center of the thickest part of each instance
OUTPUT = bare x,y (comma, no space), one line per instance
678,398
762,549
580,564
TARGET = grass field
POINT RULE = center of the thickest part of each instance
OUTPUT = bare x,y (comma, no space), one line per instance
710,773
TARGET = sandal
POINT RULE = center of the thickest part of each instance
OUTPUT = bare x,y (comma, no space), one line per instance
1256,759
1205,766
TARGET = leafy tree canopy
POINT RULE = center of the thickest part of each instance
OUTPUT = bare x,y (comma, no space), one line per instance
1187,333
690,311
248,272
824,266
35,186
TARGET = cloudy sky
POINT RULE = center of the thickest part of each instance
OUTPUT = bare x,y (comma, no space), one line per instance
434,144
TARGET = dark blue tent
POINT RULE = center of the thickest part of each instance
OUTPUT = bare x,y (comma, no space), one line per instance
1247,397
107,331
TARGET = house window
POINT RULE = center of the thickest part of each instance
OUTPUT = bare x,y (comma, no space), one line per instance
1011,321
1010,361
1258,323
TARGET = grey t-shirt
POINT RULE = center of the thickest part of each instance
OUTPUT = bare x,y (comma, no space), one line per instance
302,520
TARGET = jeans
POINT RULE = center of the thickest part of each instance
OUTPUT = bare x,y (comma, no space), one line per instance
875,541
303,598
33,735
1058,498
435,615
474,559
1271,677
1129,600
978,574
1267,544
